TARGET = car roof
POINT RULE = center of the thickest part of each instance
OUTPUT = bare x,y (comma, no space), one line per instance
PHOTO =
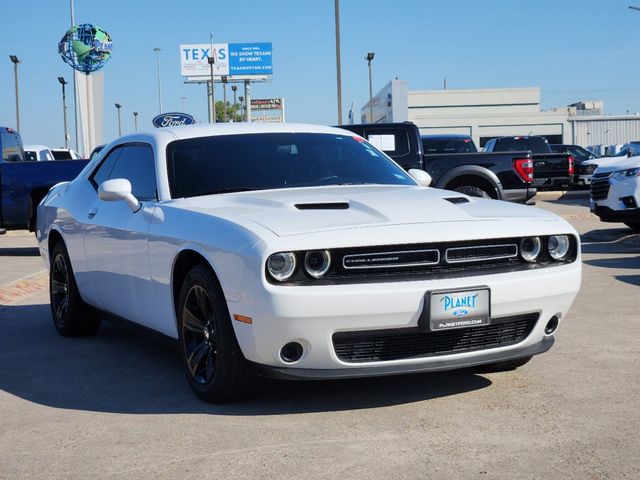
448,136
36,147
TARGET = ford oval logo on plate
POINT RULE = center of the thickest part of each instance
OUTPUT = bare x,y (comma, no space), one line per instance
173,119
460,313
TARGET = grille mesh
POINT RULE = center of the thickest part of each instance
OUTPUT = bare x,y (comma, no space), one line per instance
599,189
385,345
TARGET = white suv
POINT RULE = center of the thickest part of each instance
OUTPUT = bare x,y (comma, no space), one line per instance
615,191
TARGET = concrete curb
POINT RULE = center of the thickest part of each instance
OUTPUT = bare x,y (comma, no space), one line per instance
562,194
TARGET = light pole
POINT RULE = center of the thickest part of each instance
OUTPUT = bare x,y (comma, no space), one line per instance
212,61
224,98
16,61
338,72
369,59
158,50
118,107
63,82
135,121
183,103
634,8
241,98
234,89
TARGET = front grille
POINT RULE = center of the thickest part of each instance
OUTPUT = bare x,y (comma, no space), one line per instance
602,175
480,253
385,345
600,189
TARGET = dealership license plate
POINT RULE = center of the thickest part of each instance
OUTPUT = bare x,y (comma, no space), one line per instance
459,309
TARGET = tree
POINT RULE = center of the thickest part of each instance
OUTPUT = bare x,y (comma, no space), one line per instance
234,113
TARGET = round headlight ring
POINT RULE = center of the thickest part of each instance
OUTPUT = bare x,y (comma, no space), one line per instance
317,263
281,266
559,246
530,248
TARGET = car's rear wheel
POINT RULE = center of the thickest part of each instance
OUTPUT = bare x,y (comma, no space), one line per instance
472,191
215,366
505,366
71,316
634,225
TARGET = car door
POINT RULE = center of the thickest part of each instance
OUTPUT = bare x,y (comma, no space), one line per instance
115,237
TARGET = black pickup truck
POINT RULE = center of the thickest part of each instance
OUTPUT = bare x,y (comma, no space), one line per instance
23,183
549,169
453,161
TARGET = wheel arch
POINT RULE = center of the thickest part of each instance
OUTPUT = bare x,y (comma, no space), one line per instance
472,175
184,261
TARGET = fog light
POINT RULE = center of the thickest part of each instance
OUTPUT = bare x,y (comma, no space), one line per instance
291,352
558,246
530,248
629,202
552,325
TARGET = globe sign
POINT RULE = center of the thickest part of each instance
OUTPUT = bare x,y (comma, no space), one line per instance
85,47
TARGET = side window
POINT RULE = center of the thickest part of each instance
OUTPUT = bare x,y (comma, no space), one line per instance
11,148
103,171
136,164
393,142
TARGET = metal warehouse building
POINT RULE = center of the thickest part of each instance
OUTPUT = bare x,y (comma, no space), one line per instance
489,113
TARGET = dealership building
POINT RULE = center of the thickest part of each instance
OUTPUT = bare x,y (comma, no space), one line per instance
488,113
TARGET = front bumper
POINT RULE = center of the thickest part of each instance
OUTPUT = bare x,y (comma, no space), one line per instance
311,315
439,364
607,214
616,200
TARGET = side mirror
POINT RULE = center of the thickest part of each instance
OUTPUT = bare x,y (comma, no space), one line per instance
118,189
420,176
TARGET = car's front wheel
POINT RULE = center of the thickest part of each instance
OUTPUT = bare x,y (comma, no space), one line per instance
215,366
634,225
71,316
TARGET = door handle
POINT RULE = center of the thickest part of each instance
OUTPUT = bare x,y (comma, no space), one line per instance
92,213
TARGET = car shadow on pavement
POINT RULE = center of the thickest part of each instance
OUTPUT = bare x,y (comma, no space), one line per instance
120,371
610,240
19,252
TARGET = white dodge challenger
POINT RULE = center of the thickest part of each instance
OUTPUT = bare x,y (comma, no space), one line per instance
300,252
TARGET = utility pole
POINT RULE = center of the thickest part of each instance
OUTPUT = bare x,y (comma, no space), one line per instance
75,88
338,72
369,59
212,60
158,50
247,99
63,82
15,60
118,107
224,98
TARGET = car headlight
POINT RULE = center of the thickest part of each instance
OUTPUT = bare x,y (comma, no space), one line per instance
559,246
281,265
530,248
317,263
622,174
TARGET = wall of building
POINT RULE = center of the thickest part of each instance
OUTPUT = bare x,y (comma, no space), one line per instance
605,130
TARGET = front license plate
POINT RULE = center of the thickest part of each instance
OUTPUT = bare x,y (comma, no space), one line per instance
459,309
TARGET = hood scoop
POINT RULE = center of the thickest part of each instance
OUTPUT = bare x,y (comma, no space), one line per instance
322,206
456,200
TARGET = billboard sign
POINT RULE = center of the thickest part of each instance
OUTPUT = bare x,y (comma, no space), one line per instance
267,110
173,119
231,59
266,104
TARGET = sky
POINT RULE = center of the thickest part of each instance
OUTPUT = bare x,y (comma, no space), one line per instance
572,49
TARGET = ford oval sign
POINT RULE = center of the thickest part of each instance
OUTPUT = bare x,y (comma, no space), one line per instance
173,119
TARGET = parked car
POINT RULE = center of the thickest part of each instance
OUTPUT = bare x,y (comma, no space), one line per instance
549,169
24,183
453,161
583,171
300,252
615,191
65,154
37,153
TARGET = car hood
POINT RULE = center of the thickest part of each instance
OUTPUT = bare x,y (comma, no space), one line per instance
304,210
617,163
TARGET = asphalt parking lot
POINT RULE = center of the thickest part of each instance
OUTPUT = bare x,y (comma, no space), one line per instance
117,404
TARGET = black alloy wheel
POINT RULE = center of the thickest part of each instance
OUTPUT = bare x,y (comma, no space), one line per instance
71,316
59,289
215,366
199,334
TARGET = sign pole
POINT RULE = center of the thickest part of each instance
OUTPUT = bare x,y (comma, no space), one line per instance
247,99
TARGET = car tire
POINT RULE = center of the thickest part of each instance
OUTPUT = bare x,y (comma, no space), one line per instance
633,225
472,191
214,364
505,366
71,316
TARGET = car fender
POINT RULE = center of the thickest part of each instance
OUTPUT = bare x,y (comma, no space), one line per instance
473,170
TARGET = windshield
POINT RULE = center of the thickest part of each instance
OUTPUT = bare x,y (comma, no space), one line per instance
228,163
61,154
